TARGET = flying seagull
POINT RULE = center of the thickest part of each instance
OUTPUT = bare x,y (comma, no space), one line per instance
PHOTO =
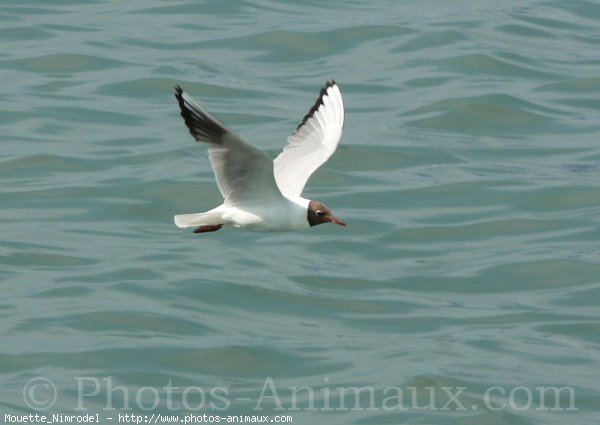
262,194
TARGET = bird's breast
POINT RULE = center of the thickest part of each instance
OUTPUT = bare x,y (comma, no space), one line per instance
282,216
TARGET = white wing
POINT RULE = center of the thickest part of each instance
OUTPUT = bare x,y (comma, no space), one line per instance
244,173
313,142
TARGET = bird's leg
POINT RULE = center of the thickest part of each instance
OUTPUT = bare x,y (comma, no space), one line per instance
208,228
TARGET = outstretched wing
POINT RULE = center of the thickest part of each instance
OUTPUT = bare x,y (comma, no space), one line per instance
244,173
313,142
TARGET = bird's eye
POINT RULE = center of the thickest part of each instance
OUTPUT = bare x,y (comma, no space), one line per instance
319,213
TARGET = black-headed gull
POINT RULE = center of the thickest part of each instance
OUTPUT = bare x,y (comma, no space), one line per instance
261,194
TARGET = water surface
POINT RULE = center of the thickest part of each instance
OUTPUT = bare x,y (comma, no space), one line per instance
468,175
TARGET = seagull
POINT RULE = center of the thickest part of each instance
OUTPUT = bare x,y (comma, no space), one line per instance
261,194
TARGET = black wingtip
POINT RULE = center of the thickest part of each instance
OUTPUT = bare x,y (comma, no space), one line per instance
203,127
318,103
178,91
183,110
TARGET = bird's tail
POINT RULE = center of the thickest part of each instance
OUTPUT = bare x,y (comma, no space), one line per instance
210,218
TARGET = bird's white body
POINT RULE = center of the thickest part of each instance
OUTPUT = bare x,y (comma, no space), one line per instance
287,214
259,193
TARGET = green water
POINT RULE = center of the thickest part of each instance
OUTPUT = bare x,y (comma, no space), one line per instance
464,290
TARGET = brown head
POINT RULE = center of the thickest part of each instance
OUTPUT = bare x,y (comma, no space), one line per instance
319,213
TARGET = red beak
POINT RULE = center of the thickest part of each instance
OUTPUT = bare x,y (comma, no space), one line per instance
336,220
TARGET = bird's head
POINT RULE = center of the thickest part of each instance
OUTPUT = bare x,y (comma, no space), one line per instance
319,213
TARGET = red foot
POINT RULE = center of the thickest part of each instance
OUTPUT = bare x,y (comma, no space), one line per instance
208,228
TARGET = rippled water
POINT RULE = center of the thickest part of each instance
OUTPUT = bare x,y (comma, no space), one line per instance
467,281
